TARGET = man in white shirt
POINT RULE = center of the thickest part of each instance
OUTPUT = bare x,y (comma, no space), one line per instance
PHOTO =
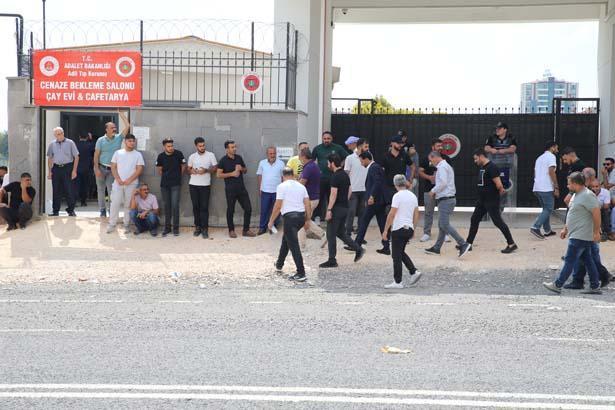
126,166
444,193
201,166
608,181
358,175
604,198
269,176
293,202
546,189
402,219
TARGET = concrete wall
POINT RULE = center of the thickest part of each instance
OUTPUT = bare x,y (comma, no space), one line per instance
252,130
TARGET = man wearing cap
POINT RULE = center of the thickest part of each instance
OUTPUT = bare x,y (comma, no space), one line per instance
357,174
501,148
63,160
321,155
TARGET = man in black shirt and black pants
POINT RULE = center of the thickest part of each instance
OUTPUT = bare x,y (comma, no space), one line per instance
19,209
231,168
171,165
574,164
337,210
489,190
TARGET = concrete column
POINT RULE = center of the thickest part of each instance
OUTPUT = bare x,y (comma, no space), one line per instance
606,79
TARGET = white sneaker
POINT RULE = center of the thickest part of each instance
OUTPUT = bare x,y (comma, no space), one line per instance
446,238
394,285
110,228
414,278
425,238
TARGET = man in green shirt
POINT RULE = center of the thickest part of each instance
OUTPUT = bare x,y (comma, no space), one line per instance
321,154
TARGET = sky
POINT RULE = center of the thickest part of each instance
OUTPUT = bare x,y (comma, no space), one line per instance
411,65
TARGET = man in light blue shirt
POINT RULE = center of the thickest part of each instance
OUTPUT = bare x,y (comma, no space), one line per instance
105,148
269,175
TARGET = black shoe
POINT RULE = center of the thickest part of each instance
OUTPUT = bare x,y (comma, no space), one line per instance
328,264
261,232
197,232
11,227
547,234
83,203
603,283
348,248
54,214
465,248
459,247
432,251
205,234
537,233
137,231
573,285
363,242
175,231
71,213
510,248
154,232
384,251
298,277
22,227
166,231
359,254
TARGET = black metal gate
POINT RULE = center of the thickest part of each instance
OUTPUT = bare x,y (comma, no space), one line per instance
532,130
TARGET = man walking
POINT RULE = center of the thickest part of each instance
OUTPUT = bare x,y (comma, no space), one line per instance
84,169
573,163
321,155
126,166
231,168
171,165
105,147
357,174
583,229
62,161
444,192
293,202
402,219
375,201
294,162
546,189
395,162
337,210
427,174
201,166
310,178
268,176
144,211
490,189
17,210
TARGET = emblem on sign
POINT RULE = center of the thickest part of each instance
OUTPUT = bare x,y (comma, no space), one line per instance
451,145
251,82
49,66
125,66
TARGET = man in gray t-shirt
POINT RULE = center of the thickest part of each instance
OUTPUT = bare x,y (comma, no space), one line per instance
583,230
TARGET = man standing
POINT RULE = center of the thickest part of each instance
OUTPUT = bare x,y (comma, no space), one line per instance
444,192
293,202
395,162
144,211
171,165
231,168
201,166
604,200
126,166
426,173
375,201
489,191
574,164
501,148
583,228
294,162
337,210
357,174
62,162
402,218
19,209
86,156
4,181
608,181
106,146
269,176
546,189
310,178
321,154
412,171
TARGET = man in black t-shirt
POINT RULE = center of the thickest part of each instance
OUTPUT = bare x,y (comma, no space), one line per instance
231,168
427,173
395,162
490,189
171,165
573,164
19,208
501,148
337,210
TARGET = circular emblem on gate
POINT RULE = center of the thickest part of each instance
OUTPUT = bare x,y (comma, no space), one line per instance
450,145
49,66
125,66
251,82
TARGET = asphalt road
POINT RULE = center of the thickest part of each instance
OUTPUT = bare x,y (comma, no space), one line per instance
483,341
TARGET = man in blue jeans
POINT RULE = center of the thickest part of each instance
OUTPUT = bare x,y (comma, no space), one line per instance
583,228
269,176
171,165
546,189
144,210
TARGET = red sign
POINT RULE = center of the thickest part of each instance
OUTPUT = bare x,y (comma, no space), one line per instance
87,78
451,145
251,82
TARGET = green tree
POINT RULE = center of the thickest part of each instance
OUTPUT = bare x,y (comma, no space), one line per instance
382,105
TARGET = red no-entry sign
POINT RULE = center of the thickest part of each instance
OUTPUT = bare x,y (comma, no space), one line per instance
251,82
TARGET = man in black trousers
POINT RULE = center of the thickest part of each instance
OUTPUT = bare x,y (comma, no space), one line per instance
337,210
62,162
